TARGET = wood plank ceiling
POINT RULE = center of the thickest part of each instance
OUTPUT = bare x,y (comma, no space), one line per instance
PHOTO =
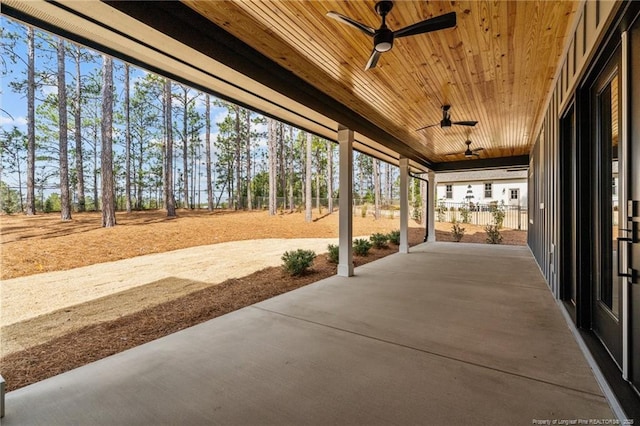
496,66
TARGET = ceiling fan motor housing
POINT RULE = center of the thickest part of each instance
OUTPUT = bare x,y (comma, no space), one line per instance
383,39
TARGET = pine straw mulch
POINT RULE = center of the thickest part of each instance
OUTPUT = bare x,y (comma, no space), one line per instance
100,340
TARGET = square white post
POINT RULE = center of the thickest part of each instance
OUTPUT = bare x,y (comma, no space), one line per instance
431,206
345,264
404,205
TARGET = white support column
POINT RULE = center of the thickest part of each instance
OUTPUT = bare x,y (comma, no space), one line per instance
431,197
345,264
404,205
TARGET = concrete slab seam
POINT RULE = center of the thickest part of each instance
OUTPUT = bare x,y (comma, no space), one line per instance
439,355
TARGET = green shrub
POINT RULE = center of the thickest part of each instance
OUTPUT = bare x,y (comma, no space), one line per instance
497,211
363,210
361,246
465,214
297,262
457,231
394,237
441,209
379,240
416,214
334,253
493,234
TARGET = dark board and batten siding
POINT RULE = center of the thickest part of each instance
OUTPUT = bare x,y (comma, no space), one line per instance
544,174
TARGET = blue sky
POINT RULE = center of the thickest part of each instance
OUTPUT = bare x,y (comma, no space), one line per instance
14,107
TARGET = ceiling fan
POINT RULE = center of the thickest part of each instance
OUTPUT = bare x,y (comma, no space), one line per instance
383,36
446,120
468,153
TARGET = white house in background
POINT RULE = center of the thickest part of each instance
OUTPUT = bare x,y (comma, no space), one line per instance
483,187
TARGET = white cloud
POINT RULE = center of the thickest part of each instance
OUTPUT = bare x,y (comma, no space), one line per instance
48,90
8,121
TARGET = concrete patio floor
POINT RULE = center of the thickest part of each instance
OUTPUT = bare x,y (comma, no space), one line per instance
448,334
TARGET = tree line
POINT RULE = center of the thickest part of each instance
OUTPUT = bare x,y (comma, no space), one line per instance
103,135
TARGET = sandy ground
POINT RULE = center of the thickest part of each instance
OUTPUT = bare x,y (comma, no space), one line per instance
28,297
40,300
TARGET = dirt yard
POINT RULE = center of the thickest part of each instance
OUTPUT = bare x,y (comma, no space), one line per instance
77,333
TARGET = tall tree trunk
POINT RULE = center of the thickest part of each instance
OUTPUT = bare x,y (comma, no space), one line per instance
185,155
291,175
376,188
138,178
65,198
272,167
318,205
30,208
307,178
389,184
106,166
127,139
330,176
208,152
249,192
77,116
96,204
169,199
237,154
282,171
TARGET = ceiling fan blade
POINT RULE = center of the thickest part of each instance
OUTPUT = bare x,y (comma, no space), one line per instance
477,149
426,127
355,24
465,123
373,60
441,22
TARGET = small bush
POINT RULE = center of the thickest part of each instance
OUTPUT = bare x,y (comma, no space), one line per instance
379,240
457,231
493,234
417,214
334,253
297,262
363,210
394,237
465,214
441,209
498,213
361,246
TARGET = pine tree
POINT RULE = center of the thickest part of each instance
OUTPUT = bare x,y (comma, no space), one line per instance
65,199
108,192
30,208
169,200
271,124
308,177
208,151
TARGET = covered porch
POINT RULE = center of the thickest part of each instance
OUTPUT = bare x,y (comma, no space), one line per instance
449,333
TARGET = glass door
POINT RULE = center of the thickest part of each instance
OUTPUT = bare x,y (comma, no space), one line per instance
607,284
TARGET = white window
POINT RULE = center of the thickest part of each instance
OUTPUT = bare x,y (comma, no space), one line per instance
449,191
514,194
488,190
